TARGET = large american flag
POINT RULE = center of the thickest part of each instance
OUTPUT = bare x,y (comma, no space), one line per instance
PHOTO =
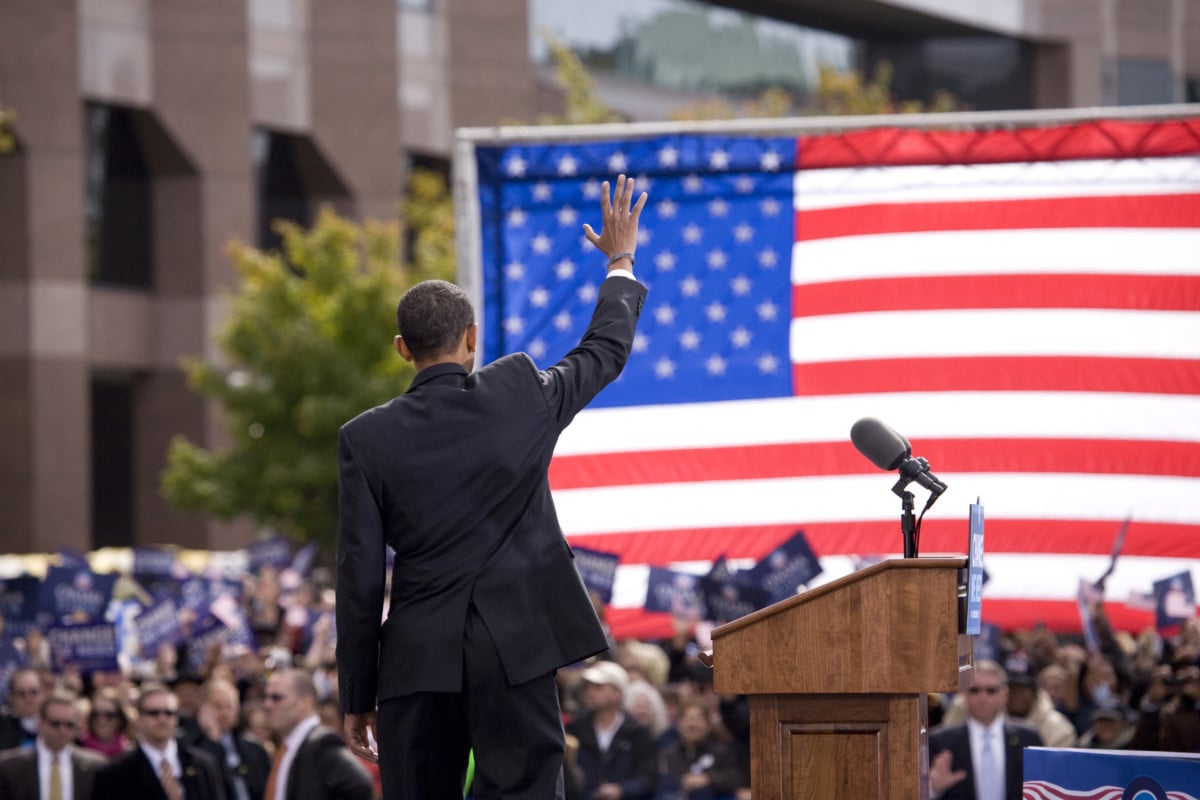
1022,303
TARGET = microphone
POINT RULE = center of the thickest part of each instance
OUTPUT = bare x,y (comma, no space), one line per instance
888,450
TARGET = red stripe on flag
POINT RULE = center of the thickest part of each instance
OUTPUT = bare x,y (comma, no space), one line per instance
1060,616
802,459
1099,139
1141,211
999,373
1091,537
1134,292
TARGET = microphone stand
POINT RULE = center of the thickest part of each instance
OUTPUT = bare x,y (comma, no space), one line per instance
908,520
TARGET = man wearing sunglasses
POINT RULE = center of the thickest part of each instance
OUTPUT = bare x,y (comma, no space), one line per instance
53,768
160,768
19,723
982,758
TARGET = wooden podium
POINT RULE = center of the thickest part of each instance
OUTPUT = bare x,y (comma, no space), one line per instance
838,678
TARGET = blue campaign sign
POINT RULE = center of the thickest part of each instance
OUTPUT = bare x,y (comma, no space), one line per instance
153,562
1061,774
274,552
598,570
19,603
75,594
90,648
785,569
158,626
975,570
679,593
1174,602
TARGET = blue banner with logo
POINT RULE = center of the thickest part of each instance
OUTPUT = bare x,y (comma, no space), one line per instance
598,570
274,552
975,571
19,603
785,569
158,626
1174,602
1056,774
678,593
74,595
729,594
91,648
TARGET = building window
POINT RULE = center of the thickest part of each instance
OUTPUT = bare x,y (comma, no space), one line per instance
112,462
281,192
118,200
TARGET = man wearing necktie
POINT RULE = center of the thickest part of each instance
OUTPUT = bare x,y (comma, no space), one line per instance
981,759
160,767
244,761
53,769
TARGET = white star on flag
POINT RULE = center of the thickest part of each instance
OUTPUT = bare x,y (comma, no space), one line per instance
587,292
769,207
516,218
689,287
715,312
668,156
664,314
641,343
767,311
541,244
562,320
516,166
514,271
514,325
769,161
692,183
542,191
664,368
740,285
718,208
692,233
567,165
617,162
740,338
717,259
565,270
743,233
567,216
689,339
591,189
719,159
715,365
539,297
767,257
666,209
537,348
665,261
767,363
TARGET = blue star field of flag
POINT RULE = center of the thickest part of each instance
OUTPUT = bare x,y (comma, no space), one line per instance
714,250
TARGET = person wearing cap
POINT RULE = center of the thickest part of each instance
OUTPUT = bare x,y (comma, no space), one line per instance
1028,704
486,601
1110,730
617,757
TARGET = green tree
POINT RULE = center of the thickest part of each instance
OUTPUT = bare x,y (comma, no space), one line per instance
581,104
8,141
305,348
851,93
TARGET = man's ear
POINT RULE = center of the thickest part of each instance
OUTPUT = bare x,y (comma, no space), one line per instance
471,334
402,349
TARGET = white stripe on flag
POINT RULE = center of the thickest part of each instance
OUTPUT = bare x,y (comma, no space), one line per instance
991,332
1014,576
838,188
1057,251
848,498
917,415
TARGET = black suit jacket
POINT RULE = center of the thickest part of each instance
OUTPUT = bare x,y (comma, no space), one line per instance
956,739
132,775
11,732
254,768
325,769
452,475
19,773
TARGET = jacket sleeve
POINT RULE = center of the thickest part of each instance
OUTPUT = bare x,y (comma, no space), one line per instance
600,356
360,580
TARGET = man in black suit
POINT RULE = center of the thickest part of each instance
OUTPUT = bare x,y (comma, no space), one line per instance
244,761
19,723
159,768
313,762
486,602
981,759
67,771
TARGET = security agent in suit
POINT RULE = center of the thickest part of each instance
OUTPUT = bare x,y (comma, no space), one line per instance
312,762
26,770
957,770
243,761
188,774
19,722
486,602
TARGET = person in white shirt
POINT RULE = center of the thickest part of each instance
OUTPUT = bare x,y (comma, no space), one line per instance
312,762
53,769
982,758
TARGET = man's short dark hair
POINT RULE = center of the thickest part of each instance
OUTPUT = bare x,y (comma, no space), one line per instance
432,318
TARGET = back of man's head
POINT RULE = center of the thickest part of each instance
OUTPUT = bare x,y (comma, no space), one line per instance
432,318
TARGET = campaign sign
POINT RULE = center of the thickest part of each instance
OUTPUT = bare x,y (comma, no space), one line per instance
91,648
1174,602
19,603
1059,774
158,626
153,562
678,593
274,552
75,594
732,599
210,632
11,660
73,559
975,570
303,560
785,569
598,570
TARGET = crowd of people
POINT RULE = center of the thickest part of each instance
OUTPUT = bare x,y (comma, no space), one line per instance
641,721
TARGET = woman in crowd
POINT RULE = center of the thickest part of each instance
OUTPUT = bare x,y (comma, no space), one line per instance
697,766
107,729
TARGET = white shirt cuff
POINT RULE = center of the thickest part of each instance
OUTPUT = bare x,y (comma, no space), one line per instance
624,273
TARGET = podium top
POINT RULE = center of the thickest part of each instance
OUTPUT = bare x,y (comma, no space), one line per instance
892,627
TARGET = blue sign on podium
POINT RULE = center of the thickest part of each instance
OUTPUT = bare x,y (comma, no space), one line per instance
975,571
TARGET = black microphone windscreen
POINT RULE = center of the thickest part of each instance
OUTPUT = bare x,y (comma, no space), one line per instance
884,447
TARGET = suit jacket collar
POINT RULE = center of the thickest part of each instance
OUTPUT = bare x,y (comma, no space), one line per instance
434,372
